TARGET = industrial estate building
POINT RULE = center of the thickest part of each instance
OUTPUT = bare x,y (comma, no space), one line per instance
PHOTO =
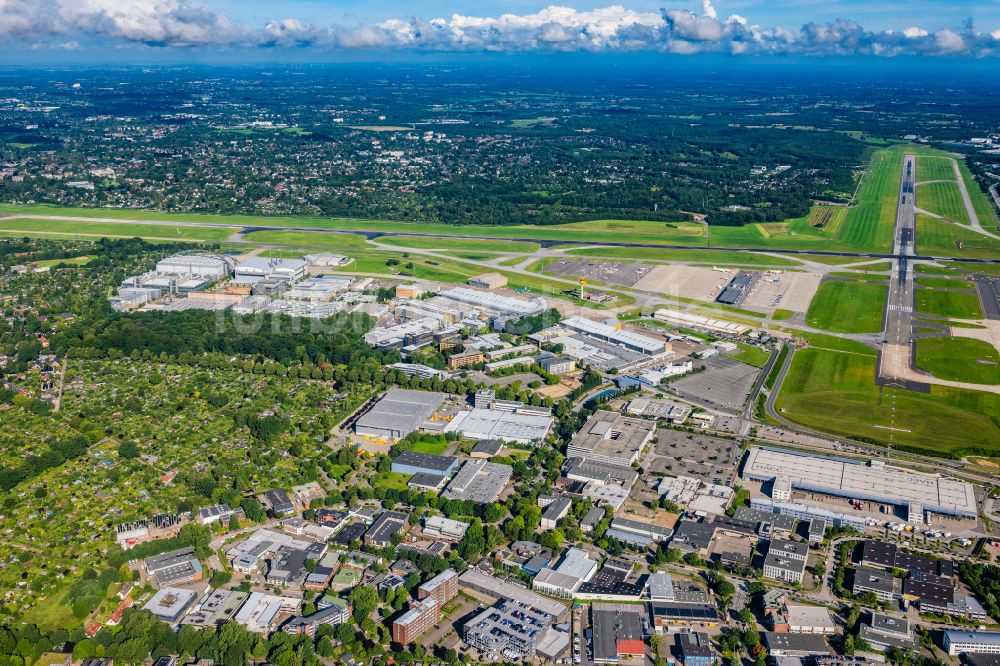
618,633
398,413
479,481
501,425
875,481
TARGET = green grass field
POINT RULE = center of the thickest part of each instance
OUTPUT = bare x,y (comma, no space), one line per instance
869,223
324,240
943,198
75,261
781,314
458,244
959,359
754,356
938,237
719,258
390,480
980,200
432,448
87,229
836,392
815,231
934,168
847,307
943,283
639,231
949,303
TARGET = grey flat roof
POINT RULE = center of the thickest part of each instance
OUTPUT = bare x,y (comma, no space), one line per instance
850,478
401,411
612,623
875,579
427,461
479,480
388,523
800,643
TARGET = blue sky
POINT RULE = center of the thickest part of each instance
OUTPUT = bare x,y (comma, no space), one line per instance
331,29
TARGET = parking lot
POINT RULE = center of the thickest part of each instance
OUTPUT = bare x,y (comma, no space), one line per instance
619,273
680,453
724,384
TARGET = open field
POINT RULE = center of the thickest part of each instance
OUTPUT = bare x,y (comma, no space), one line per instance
869,223
639,231
75,261
835,392
815,231
432,448
980,200
949,303
945,199
940,237
86,228
458,244
934,168
345,241
847,307
715,257
959,359
944,283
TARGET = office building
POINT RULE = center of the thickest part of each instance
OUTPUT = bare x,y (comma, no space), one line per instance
170,603
786,560
878,582
307,625
421,616
387,526
476,581
610,438
554,512
442,587
696,649
173,568
885,631
974,642
439,527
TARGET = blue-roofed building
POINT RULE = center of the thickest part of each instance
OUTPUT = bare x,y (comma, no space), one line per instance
410,462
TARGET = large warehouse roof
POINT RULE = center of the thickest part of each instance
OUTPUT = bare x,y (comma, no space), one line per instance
399,413
850,478
492,424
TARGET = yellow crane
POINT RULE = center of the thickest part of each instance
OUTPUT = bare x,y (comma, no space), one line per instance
583,282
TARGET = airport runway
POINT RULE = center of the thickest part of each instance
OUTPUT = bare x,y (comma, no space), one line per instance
895,360
372,234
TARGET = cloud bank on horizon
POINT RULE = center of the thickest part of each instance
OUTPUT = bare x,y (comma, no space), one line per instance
189,23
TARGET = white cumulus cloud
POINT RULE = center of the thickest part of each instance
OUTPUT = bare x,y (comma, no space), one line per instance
193,23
